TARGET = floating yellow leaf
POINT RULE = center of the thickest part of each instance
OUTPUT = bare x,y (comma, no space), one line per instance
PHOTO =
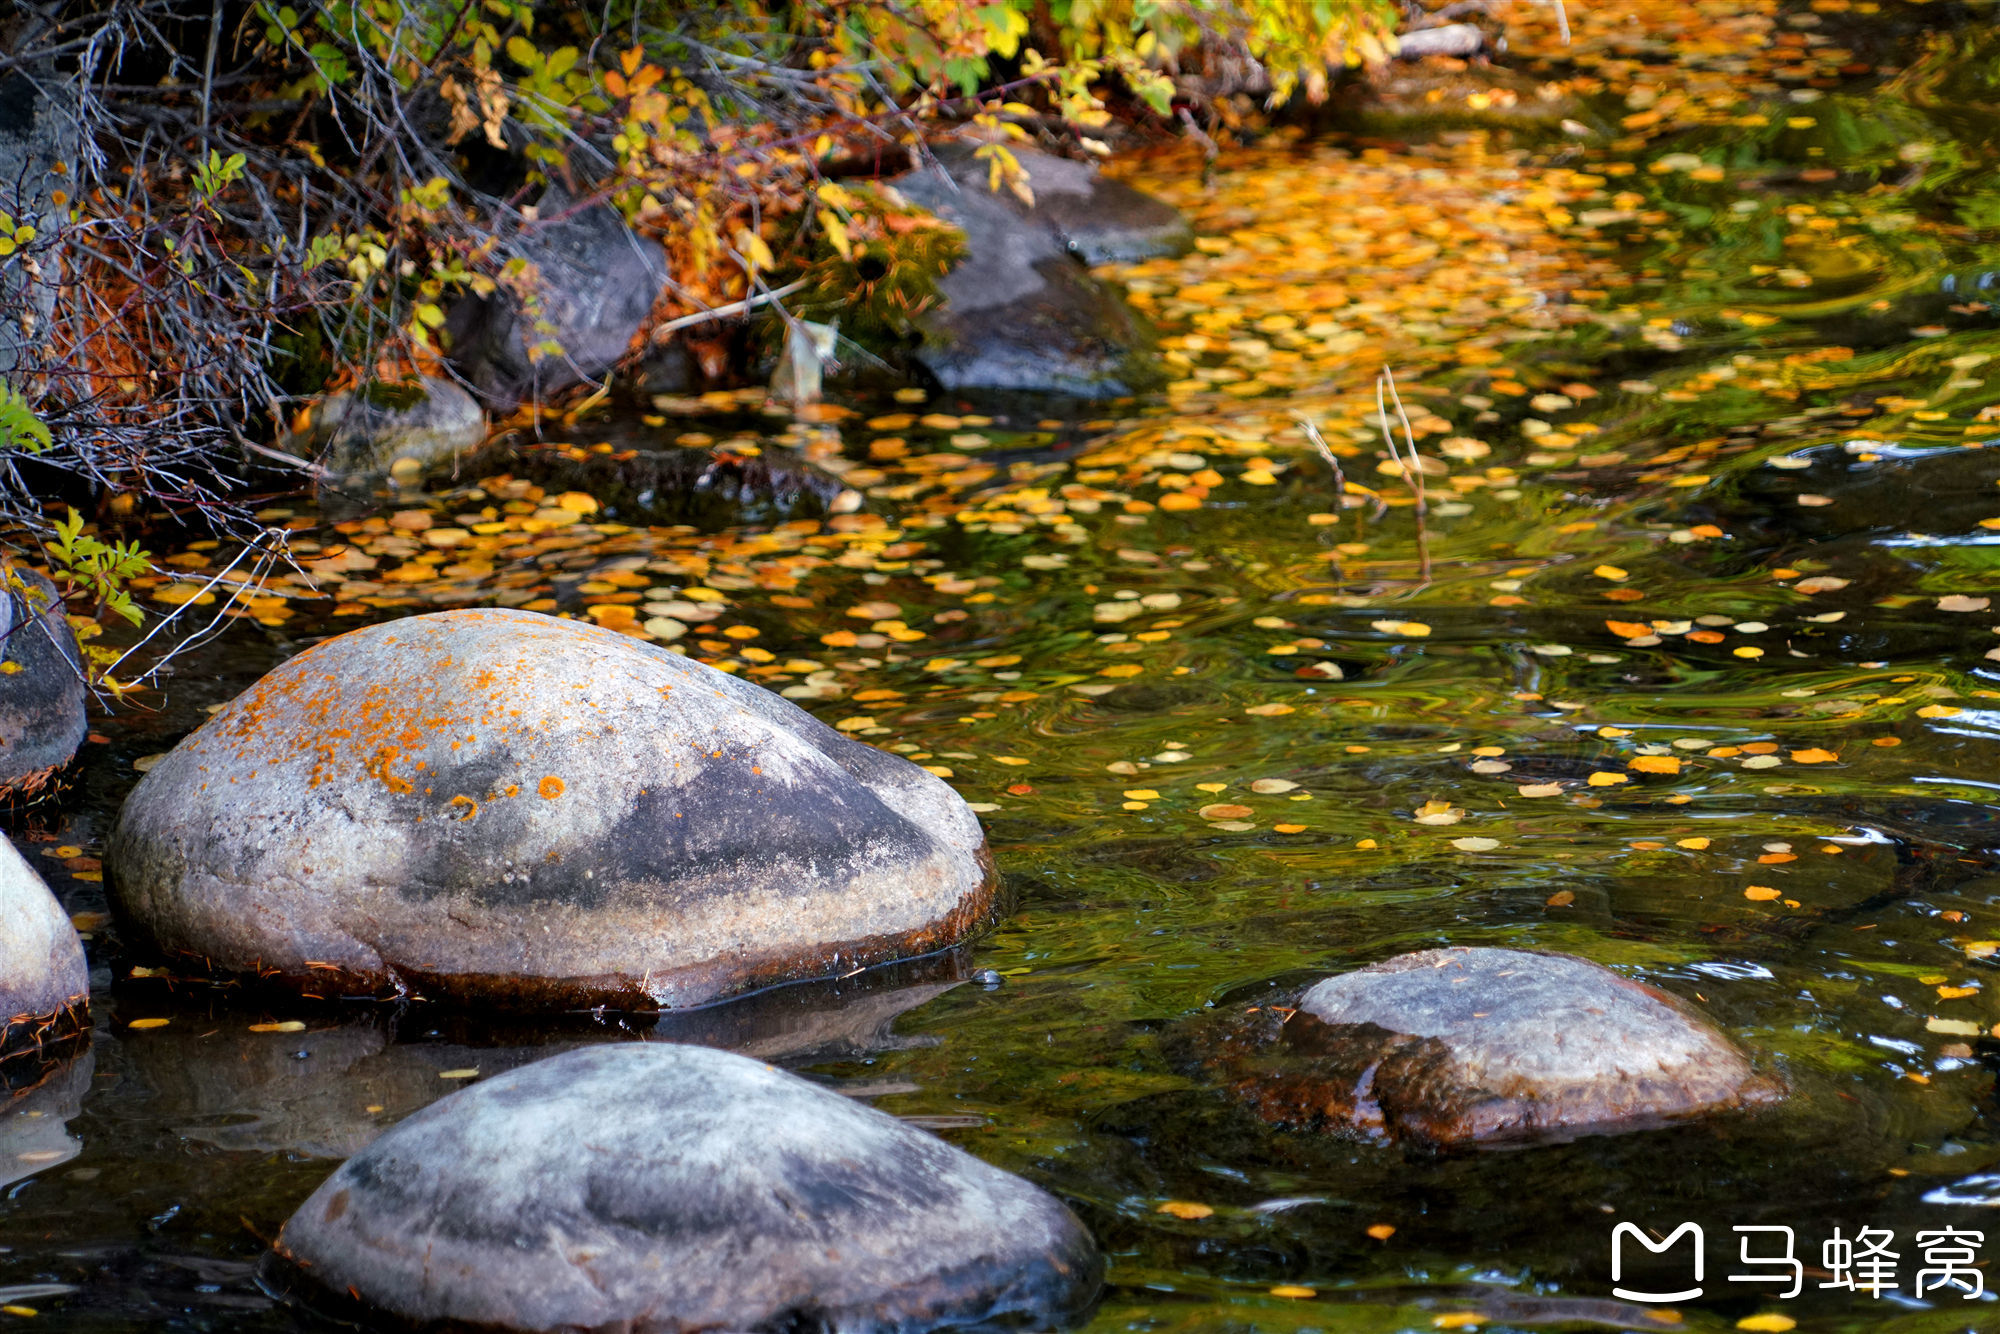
1656,764
286,1026
1293,1290
1269,710
1438,812
1760,893
1185,1209
1611,572
1602,779
149,1023
1692,844
1382,1231
1224,811
1961,1028
1814,756
1540,789
1475,844
1768,1323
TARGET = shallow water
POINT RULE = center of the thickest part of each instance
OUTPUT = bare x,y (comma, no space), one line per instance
1770,366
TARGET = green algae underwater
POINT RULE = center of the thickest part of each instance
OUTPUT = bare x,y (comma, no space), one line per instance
1697,351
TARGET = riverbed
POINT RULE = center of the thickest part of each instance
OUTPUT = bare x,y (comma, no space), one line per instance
1677,649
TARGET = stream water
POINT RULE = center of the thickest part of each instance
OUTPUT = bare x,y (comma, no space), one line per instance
1688,668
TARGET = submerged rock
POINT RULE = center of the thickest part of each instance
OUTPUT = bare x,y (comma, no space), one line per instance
655,1188
44,983
42,692
1020,311
710,488
1482,1045
507,807
391,428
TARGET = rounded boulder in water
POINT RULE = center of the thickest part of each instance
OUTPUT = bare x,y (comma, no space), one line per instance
1477,1044
655,1187
504,807
44,982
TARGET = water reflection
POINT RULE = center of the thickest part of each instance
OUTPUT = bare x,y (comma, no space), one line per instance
330,1089
39,1097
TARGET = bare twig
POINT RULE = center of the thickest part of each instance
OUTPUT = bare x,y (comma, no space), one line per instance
1412,469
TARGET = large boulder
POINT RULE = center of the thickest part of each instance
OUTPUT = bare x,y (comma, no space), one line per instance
591,281
655,1187
44,982
1480,1045
504,806
1021,311
1099,219
383,429
42,689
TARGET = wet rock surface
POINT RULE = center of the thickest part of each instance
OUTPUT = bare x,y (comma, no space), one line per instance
655,1187
598,282
1020,311
42,693
44,982
1481,1045
504,806
392,428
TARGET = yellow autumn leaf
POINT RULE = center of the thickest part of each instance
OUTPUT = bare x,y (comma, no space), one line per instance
1185,1209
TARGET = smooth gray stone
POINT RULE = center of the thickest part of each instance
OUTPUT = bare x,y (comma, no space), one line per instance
42,702
44,982
1020,311
652,1188
364,433
506,807
1476,1044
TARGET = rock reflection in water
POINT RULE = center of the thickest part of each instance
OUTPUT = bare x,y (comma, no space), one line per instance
328,1091
37,1103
